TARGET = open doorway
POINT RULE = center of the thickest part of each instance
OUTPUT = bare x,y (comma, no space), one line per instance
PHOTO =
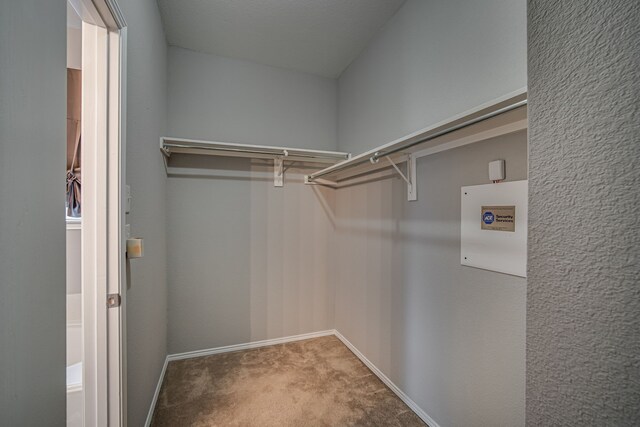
95,250
75,397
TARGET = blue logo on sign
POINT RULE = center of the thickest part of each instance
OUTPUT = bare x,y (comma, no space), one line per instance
488,217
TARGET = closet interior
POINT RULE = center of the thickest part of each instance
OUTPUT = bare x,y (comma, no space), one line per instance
319,213
287,246
334,245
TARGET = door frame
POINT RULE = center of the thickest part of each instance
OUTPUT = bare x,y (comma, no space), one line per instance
103,240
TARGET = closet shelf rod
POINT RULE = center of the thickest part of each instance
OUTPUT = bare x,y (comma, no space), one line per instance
384,153
451,129
275,152
233,150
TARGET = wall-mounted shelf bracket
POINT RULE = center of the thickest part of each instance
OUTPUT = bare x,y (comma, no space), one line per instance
278,172
412,189
279,169
410,178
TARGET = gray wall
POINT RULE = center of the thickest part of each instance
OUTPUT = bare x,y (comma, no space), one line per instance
146,118
432,60
451,337
32,222
246,261
229,100
583,300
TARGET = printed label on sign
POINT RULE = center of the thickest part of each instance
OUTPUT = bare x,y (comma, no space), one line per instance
498,218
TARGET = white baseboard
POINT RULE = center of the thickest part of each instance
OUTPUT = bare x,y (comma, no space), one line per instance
256,344
147,423
249,345
394,388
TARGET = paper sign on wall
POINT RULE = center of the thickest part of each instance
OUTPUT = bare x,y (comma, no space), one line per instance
498,218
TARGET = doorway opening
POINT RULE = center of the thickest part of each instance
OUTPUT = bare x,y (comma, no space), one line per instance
96,40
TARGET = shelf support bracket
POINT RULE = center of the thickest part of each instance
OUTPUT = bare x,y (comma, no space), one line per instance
412,190
412,193
278,172
287,168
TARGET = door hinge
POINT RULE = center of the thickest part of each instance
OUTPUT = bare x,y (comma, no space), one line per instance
113,300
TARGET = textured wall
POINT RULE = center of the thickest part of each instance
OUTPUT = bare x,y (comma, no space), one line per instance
247,261
223,99
146,302
32,223
432,60
451,337
583,299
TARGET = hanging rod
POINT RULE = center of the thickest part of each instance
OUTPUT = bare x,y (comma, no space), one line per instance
449,130
387,152
170,145
284,153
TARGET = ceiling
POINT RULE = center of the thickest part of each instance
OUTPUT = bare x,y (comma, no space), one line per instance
316,36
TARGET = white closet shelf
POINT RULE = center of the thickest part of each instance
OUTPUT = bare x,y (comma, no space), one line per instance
170,145
279,155
502,116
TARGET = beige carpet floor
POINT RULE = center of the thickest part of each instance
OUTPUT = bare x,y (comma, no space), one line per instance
316,382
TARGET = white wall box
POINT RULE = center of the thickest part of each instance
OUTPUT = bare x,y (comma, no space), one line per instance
485,239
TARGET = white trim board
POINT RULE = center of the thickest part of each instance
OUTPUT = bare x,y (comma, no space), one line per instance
264,343
248,346
156,394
